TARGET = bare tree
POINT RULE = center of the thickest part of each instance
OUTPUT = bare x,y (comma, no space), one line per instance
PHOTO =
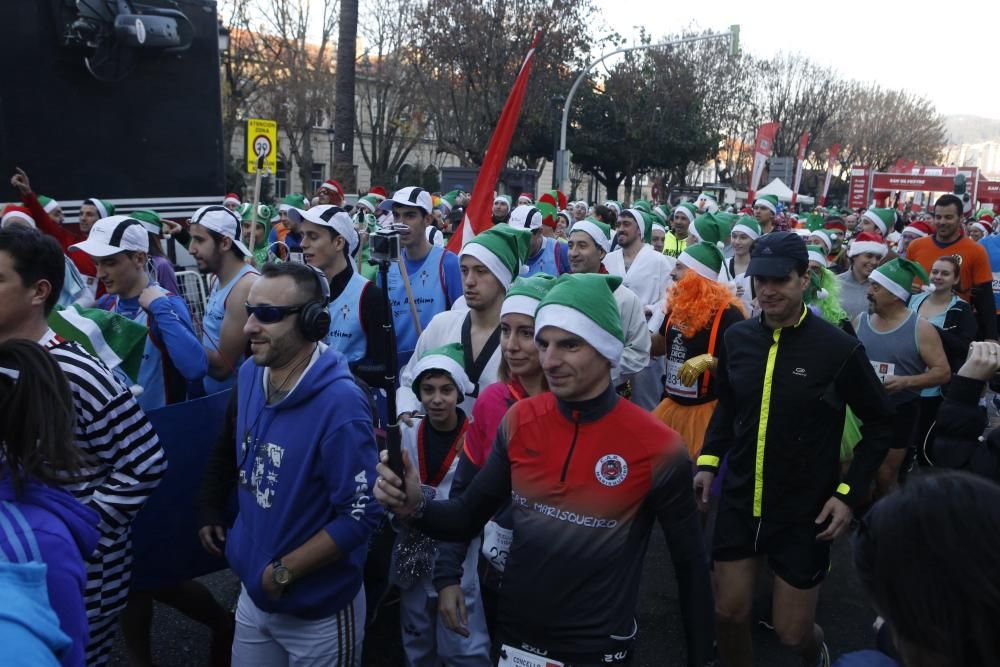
390,117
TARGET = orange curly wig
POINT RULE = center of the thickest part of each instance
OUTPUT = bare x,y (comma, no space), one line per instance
693,301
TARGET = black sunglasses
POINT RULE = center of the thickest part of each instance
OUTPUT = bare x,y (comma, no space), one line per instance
271,314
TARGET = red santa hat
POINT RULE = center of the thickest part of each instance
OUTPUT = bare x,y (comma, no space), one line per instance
918,228
379,192
867,242
18,213
333,186
232,198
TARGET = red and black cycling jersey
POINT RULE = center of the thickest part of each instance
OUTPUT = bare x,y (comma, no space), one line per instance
587,480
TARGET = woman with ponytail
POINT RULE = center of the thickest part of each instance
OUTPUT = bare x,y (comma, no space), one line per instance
40,523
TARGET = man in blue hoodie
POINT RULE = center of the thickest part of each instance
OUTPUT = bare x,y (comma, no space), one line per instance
306,459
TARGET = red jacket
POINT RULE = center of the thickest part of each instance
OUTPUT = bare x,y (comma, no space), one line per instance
84,264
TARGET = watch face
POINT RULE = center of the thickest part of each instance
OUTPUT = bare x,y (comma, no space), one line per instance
282,576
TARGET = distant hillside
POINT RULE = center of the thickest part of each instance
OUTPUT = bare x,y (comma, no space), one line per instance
971,129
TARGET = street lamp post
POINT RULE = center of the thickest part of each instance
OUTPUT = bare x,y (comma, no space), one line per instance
557,102
562,155
330,132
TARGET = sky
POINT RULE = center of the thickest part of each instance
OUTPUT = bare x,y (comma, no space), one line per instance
919,47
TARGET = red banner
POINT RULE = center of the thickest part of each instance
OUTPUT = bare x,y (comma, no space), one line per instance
478,214
989,191
800,160
858,193
924,182
762,147
834,152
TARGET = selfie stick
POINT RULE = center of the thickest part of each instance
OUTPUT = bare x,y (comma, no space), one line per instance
256,201
393,436
409,295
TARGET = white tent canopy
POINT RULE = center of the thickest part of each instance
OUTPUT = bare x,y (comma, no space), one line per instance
782,192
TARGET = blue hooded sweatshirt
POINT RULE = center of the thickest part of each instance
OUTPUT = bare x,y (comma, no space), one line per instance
306,463
65,532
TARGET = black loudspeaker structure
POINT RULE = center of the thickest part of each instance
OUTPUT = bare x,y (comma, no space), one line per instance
114,99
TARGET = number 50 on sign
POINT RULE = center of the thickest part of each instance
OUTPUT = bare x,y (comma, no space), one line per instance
262,138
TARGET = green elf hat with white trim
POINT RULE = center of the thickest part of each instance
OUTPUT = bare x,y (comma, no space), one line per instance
817,255
448,199
688,210
705,259
151,220
616,206
448,358
506,199
294,200
747,224
502,249
595,229
48,203
707,228
643,205
526,293
644,220
767,201
898,275
824,237
584,305
105,209
663,212
882,218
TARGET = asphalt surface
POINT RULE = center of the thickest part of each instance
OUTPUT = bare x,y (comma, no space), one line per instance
843,613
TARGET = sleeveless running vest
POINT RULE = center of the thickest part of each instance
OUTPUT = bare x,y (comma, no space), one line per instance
211,329
545,261
427,283
893,352
346,335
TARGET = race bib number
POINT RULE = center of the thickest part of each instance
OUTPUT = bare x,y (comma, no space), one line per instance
297,257
513,657
996,282
674,384
883,369
496,544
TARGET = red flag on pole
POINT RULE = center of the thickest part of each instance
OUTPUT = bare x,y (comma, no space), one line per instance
478,214
762,147
834,152
800,161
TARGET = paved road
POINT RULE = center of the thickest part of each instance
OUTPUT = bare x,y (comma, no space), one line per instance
179,642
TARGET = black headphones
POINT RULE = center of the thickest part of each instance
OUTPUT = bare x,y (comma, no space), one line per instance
314,318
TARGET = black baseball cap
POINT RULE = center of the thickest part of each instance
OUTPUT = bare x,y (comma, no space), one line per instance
774,255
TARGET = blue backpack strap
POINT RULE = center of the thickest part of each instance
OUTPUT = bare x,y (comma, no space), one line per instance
27,534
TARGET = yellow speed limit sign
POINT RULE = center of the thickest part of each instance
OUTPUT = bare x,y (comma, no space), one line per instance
262,138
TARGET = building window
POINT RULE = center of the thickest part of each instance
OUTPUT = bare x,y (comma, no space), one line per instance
318,176
280,181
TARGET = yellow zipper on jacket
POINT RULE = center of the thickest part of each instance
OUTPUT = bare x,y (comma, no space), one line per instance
765,411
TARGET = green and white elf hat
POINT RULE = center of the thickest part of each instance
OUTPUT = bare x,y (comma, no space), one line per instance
584,304
882,218
150,220
824,237
643,205
526,293
767,201
48,203
595,229
817,255
614,205
502,249
505,199
643,219
105,209
448,358
898,275
747,224
705,259
294,200
688,210
708,229
663,212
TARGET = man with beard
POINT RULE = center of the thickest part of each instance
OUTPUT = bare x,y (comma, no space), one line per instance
701,310
647,273
588,246
215,245
501,209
